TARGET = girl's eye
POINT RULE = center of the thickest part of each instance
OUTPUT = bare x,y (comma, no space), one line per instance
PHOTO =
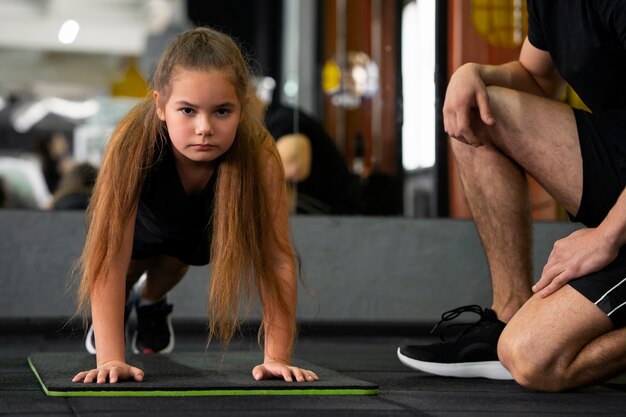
223,112
187,111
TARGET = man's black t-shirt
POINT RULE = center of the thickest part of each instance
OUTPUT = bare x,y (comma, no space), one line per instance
586,40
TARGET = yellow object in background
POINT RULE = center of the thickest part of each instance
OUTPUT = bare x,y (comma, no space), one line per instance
331,77
132,85
502,23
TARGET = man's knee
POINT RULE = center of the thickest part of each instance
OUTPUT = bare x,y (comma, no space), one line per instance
491,136
529,365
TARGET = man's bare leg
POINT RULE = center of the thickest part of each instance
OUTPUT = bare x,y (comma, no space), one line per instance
562,342
497,193
533,135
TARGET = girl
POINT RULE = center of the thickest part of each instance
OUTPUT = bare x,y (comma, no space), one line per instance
190,174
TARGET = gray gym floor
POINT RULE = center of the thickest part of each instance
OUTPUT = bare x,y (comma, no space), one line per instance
364,354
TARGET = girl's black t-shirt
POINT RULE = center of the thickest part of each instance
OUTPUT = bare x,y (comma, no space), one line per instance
170,221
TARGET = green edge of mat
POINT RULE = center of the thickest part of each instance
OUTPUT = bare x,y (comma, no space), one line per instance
200,393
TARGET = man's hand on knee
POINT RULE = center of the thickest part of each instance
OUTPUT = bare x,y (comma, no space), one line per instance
466,93
581,253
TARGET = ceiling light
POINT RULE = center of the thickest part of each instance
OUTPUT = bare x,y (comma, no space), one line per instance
68,32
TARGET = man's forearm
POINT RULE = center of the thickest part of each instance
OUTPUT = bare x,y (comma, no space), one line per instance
614,225
510,75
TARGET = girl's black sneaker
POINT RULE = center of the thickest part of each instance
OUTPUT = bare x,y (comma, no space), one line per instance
154,333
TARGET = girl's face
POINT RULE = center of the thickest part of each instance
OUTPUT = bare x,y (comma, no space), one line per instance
201,114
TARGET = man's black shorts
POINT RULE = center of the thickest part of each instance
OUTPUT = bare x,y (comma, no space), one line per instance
603,181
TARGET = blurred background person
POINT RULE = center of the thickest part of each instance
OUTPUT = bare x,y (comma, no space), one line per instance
319,179
75,187
54,156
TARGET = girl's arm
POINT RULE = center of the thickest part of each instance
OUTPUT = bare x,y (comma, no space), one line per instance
107,309
278,324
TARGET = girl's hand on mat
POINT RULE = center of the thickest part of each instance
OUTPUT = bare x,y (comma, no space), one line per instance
273,369
112,371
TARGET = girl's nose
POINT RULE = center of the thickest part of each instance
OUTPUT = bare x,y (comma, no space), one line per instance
204,127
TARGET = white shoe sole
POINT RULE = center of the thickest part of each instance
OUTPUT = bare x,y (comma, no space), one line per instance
488,369
89,341
138,286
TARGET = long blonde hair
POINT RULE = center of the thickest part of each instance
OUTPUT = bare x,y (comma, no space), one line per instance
243,233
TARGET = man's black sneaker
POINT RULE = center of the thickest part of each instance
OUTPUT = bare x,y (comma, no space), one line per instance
472,354
90,340
154,333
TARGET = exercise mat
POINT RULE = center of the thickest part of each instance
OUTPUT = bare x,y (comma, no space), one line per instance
187,374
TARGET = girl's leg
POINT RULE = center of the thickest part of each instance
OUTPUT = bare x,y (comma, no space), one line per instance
164,272
155,333
136,269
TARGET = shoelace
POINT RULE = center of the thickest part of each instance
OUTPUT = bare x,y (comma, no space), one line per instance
454,313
